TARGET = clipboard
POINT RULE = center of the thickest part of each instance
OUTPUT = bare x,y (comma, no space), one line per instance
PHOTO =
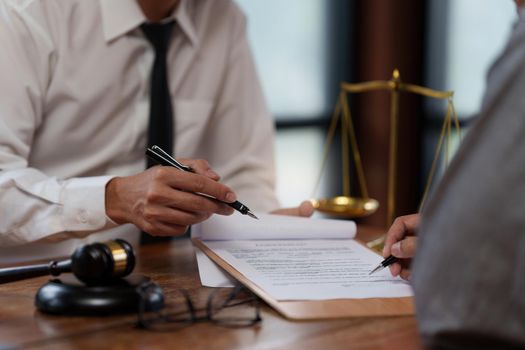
318,309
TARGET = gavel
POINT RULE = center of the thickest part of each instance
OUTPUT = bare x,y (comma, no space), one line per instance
93,264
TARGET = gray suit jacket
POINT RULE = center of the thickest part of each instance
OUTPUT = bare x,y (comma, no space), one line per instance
469,271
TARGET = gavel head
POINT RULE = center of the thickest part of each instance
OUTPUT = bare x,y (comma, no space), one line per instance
100,263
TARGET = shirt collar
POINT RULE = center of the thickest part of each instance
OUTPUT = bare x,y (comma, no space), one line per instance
119,17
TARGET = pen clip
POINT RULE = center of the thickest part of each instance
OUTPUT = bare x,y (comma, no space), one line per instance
159,158
165,155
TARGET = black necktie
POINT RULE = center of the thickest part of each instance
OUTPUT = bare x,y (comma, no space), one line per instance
160,130
161,122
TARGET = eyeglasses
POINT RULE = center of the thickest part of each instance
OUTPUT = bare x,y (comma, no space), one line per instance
235,308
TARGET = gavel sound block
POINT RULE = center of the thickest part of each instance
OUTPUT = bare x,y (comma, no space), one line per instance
102,285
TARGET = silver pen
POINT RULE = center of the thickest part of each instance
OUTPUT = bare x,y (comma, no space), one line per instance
385,263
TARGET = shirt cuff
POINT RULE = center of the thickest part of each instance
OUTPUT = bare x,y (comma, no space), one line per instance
84,203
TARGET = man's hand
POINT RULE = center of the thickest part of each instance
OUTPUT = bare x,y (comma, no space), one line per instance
162,201
401,243
306,209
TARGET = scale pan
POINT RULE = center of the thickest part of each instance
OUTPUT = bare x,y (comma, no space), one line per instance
349,207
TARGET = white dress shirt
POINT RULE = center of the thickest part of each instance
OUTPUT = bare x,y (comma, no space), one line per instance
74,111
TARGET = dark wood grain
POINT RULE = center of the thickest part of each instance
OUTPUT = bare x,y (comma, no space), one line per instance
173,266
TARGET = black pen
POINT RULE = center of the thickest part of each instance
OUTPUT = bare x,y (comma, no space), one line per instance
385,263
163,158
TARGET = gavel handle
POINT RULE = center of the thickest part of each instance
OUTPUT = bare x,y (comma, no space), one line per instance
55,268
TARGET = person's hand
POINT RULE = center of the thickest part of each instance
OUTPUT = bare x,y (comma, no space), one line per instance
306,210
162,201
401,242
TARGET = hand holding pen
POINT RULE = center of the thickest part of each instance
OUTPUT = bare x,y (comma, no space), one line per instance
400,246
162,200
163,158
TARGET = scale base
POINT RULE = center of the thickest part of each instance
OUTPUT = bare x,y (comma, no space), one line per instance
377,244
68,296
346,206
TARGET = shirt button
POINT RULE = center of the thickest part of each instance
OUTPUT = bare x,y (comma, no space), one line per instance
82,216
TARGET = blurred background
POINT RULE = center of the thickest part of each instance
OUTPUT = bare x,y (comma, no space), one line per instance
304,48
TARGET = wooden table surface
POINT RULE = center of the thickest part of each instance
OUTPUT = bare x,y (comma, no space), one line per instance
174,266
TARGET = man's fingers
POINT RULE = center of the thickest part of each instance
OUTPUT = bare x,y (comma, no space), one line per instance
396,233
405,248
395,269
405,274
196,183
195,203
171,216
201,167
163,195
306,209
401,227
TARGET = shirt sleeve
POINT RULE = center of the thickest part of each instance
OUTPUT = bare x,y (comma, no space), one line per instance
33,205
240,134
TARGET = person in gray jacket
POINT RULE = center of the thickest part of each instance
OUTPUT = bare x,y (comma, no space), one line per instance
468,272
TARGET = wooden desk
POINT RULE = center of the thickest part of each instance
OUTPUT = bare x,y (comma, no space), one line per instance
174,266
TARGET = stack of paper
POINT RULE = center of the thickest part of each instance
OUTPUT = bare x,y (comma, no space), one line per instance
295,258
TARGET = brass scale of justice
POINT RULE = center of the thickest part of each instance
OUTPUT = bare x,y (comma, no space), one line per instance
348,206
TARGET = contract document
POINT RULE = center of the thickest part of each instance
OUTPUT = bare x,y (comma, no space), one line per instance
297,258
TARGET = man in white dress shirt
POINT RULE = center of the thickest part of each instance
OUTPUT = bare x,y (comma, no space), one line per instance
74,112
